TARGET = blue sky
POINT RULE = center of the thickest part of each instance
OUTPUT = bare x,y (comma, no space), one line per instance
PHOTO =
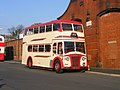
27,12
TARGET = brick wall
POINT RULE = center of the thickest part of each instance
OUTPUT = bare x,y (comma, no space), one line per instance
109,34
90,10
17,48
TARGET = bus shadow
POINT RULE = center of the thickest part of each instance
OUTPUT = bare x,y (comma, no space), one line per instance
51,70
2,84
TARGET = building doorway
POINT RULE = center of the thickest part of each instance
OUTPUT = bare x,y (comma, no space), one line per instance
9,53
109,39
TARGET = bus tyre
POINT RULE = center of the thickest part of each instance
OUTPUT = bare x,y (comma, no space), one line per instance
57,67
29,63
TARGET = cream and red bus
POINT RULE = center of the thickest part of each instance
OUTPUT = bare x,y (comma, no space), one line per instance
1,48
59,45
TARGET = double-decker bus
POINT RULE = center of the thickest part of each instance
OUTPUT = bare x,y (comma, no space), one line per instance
1,48
59,44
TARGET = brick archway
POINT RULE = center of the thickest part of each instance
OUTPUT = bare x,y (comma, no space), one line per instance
109,38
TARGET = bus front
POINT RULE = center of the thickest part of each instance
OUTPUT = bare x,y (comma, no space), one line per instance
74,57
72,40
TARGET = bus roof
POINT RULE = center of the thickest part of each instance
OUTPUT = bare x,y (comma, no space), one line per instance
51,22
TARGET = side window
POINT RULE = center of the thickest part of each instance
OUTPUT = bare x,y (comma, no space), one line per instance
54,48
42,29
56,27
30,31
41,48
80,47
67,27
29,48
48,28
35,30
25,32
35,48
78,28
47,48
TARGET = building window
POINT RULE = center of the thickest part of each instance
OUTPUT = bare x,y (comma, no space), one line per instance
107,4
81,3
73,16
73,1
88,12
87,19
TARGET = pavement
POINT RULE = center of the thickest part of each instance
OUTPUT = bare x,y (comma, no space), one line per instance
95,70
105,71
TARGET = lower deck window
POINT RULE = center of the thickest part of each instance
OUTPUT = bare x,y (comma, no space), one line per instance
29,48
47,48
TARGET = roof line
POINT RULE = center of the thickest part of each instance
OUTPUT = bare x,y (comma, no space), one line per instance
65,11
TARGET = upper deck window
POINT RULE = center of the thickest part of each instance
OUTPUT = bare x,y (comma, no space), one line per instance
30,31
35,30
42,29
48,28
56,27
25,32
77,27
67,27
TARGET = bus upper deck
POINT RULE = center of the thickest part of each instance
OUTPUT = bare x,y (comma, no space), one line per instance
56,25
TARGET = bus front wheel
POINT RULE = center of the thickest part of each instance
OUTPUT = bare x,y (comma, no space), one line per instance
57,67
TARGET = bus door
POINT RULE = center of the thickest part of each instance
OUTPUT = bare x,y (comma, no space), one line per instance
57,48
60,48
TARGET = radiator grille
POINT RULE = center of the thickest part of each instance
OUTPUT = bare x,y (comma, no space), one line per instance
75,61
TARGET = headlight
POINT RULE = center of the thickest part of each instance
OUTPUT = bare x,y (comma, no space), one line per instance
83,58
83,61
66,58
66,61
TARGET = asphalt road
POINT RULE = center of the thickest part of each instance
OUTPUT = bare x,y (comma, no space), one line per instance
14,76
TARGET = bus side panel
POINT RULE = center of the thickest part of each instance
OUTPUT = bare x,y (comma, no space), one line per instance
1,57
1,53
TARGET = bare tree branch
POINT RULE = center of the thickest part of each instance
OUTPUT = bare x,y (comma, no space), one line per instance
15,31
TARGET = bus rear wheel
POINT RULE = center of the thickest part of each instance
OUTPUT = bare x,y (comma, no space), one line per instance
57,67
29,63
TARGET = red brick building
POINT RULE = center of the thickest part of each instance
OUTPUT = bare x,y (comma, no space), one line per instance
13,49
101,19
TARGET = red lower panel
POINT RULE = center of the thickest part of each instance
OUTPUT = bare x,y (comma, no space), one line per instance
1,56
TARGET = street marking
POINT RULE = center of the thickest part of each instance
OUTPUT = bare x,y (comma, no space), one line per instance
115,75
